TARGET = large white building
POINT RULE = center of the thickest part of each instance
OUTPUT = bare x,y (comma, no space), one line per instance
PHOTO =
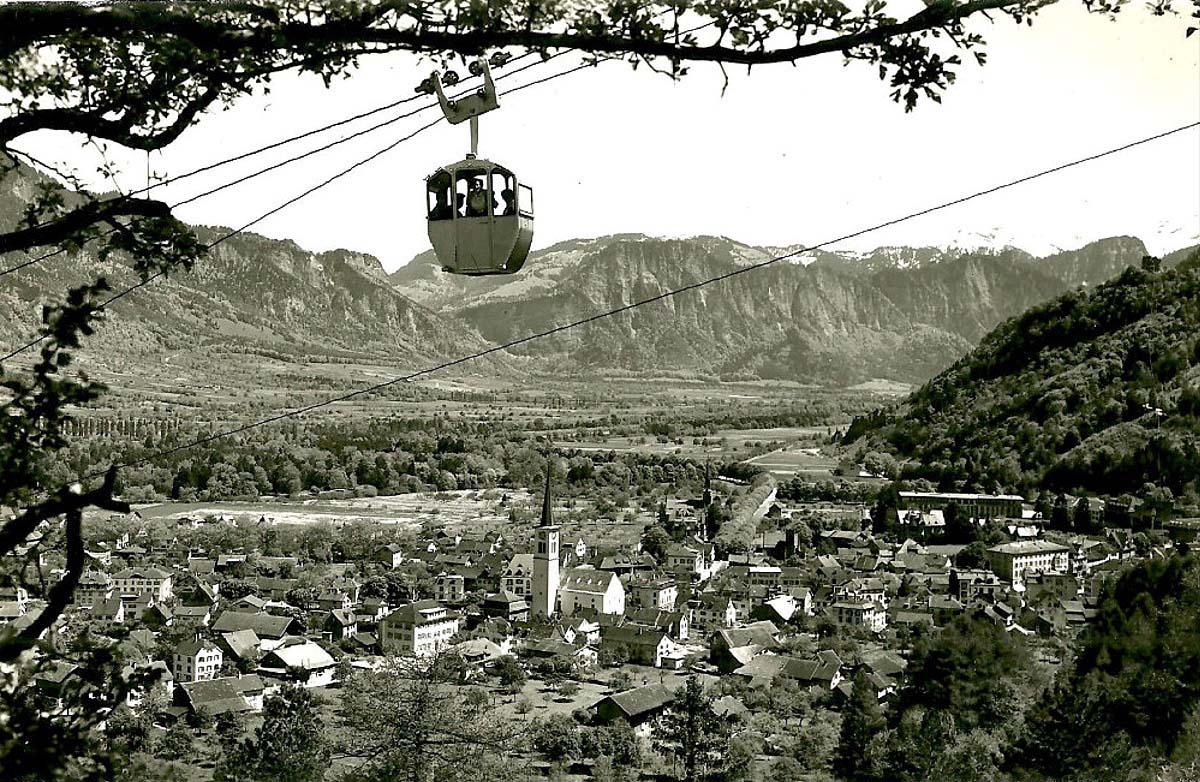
418,629
143,581
598,590
1012,562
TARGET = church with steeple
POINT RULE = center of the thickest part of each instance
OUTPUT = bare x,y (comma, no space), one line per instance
544,587
555,589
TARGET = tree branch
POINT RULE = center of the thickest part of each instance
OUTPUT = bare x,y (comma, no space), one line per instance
68,226
14,532
24,27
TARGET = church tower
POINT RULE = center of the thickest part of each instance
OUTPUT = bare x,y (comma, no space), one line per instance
545,561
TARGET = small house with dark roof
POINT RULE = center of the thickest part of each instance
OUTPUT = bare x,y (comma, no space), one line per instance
273,588
252,603
505,605
341,624
198,616
269,628
642,645
240,645
637,708
674,623
579,655
237,694
108,613
732,648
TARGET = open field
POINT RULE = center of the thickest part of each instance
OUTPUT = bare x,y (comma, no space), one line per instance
806,461
470,512
455,510
724,445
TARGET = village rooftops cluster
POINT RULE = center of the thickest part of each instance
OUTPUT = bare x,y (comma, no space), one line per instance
247,622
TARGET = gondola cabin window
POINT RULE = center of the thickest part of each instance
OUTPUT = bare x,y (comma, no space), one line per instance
526,200
440,207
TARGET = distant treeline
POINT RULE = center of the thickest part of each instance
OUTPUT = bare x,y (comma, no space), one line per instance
383,457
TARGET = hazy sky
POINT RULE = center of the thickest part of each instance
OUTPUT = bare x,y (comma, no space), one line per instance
788,155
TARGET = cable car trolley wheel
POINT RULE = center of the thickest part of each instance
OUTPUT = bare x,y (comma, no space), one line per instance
480,216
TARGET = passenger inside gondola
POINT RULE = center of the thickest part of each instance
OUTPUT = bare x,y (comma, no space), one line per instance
477,199
439,187
510,202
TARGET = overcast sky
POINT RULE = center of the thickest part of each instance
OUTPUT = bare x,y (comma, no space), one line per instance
788,155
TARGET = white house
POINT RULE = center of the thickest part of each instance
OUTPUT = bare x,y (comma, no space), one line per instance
196,661
518,576
143,581
598,590
418,629
300,660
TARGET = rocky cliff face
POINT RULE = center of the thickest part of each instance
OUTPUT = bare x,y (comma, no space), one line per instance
897,313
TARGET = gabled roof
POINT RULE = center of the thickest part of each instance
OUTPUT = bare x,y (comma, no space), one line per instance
758,633
192,612
107,607
587,580
653,617
343,617
264,625
242,643
222,695
193,647
642,700
633,635
149,573
520,565
298,653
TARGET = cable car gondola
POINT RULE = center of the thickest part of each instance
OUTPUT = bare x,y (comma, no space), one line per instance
480,216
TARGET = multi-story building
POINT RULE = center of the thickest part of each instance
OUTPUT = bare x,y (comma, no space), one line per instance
196,661
518,576
866,614
975,506
1013,561
652,592
450,588
684,560
418,629
714,611
143,581
93,585
598,590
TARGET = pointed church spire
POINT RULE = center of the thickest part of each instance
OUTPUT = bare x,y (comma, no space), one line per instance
547,519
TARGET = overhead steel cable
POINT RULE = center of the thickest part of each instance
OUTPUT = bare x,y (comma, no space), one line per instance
640,303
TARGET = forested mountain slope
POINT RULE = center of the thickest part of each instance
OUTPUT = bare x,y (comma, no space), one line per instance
1098,389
